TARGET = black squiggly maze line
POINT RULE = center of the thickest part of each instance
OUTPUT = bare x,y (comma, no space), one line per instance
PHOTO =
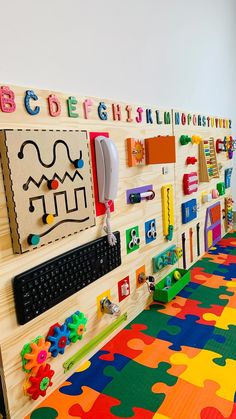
55,195
64,221
25,143
55,176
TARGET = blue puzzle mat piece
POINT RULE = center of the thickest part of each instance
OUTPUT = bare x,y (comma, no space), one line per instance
227,272
192,334
220,249
93,376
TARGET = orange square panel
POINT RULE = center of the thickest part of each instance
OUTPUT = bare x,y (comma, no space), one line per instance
160,149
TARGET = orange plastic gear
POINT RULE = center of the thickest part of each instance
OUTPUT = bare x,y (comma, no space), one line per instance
40,382
38,355
138,151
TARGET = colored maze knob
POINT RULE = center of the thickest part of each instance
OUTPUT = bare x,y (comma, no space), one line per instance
48,218
34,239
53,184
79,163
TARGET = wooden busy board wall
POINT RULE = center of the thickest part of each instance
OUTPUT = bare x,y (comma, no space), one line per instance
206,190
41,112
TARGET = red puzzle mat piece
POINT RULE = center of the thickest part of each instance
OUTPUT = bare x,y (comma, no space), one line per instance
213,413
101,410
119,344
227,242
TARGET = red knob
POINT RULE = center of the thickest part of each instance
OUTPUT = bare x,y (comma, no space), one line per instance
53,184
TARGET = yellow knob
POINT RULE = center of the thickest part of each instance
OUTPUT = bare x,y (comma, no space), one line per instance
48,219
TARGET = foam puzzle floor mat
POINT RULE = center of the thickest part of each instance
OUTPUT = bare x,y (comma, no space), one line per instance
175,361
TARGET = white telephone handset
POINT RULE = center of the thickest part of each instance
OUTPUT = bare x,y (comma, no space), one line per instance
107,163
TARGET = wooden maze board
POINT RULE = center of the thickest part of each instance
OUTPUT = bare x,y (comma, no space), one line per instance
132,123
48,196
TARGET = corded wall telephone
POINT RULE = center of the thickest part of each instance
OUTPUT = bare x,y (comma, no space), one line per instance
107,164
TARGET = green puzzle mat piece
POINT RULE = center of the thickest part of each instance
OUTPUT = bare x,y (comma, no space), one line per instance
226,349
154,322
138,381
208,296
208,264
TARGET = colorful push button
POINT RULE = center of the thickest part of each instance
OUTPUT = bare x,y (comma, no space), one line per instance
79,163
48,218
34,239
53,184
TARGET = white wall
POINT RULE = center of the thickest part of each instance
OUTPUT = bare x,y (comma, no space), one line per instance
170,52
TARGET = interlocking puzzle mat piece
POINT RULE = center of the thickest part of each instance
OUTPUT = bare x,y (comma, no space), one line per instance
156,352
61,403
102,410
213,412
226,350
44,412
93,376
221,258
191,333
199,276
185,400
120,343
139,393
227,272
168,309
206,295
33,159
186,307
154,322
208,264
201,368
226,318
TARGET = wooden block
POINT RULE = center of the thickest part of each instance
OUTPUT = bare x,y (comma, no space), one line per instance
160,150
46,172
135,152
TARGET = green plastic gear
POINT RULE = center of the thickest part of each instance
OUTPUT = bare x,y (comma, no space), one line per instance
77,326
26,350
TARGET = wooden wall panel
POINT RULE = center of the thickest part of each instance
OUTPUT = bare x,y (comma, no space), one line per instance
183,151
13,336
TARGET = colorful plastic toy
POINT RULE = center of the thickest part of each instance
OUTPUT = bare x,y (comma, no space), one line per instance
177,275
179,279
168,257
34,355
221,188
196,139
76,325
185,139
189,210
37,385
191,160
58,336
167,197
228,175
190,183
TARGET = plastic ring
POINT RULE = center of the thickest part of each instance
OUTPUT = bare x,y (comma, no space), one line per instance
177,275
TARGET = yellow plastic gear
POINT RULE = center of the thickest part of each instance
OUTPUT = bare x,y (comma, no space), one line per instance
38,355
138,151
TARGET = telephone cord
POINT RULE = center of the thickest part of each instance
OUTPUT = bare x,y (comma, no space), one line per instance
107,228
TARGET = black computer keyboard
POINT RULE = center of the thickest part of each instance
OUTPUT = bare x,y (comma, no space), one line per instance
46,285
